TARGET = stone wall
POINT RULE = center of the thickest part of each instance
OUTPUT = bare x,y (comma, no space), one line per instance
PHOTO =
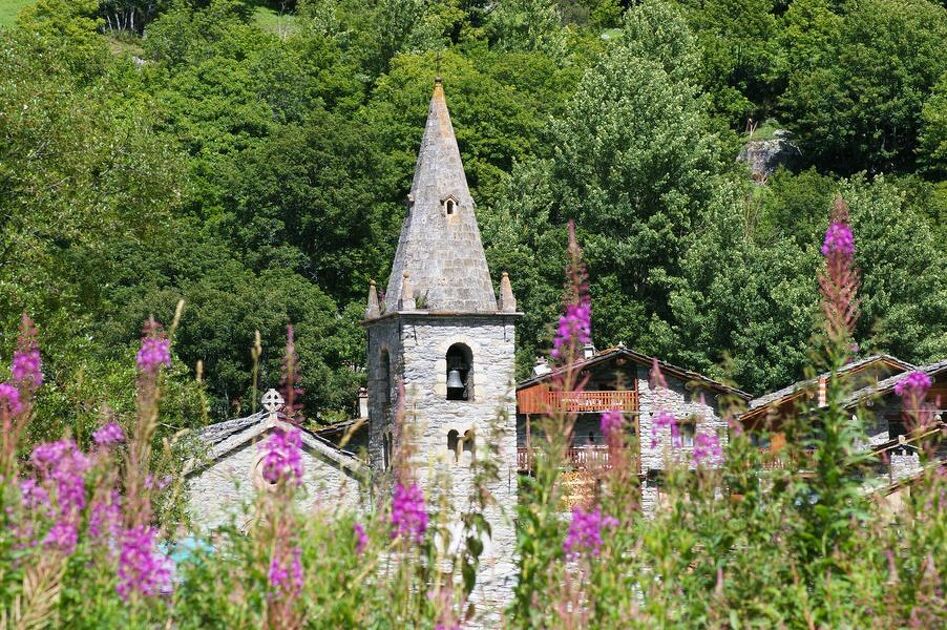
219,491
682,403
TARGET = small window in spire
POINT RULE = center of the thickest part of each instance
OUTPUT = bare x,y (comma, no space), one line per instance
450,205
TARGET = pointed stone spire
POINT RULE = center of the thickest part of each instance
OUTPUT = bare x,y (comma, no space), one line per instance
407,301
373,310
440,241
507,302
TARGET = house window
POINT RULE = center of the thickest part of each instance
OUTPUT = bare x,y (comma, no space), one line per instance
453,441
688,431
459,372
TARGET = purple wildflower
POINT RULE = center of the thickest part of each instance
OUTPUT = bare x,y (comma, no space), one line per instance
706,447
914,384
408,517
33,495
63,463
155,352
839,240
27,368
287,578
665,420
63,536
109,434
612,422
157,484
105,518
10,399
575,327
141,567
585,532
361,538
283,456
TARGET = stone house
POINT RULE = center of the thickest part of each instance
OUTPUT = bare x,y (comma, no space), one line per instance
619,378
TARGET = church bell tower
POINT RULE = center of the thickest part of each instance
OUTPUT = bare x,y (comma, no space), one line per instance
443,339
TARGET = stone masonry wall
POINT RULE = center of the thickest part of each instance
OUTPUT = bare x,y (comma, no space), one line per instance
683,404
219,491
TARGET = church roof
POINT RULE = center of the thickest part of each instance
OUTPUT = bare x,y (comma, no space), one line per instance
440,250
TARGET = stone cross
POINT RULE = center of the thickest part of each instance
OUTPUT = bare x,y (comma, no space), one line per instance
272,401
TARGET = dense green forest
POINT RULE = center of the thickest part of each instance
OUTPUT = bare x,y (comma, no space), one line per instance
253,160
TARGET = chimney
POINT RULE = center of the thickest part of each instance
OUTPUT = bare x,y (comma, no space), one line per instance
588,350
541,367
362,403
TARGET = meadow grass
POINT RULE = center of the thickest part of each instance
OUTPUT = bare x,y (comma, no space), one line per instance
9,10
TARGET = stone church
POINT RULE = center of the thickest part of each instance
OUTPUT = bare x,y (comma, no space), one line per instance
441,347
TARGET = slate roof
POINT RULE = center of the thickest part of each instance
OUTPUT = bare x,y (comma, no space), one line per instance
800,386
607,355
442,253
887,385
225,437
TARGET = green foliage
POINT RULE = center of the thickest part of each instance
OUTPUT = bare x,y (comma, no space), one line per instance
857,81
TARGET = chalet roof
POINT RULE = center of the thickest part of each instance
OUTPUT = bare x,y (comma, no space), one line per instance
440,254
620,351
804,385
886,386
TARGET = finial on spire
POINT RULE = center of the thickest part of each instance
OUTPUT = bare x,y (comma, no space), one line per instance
507,302
407,301
437,69
373,310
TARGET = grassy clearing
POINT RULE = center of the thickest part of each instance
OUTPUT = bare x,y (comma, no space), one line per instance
273,21
9,10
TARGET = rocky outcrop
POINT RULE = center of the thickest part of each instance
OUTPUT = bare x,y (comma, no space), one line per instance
764,156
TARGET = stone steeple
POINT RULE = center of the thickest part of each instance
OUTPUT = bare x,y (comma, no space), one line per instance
440,248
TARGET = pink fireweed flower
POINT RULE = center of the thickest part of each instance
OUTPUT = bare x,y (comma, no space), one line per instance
706,448
914,384
287,577
65,466
154,352
142,568
283,456
27,368
408,516
361,538
665,420
612,422
839,239
575,327
585,532
105,518
33,495
10,399
109,434
63,536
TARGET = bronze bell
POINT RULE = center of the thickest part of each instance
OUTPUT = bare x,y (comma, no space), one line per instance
453,380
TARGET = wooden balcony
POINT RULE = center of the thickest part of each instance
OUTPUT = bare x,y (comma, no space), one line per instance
542,400
579,457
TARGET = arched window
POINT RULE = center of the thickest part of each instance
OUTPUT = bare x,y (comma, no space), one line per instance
459,372
470,445
450,206
453,441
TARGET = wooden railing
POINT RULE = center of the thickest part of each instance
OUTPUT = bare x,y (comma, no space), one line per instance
579,457
541,400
